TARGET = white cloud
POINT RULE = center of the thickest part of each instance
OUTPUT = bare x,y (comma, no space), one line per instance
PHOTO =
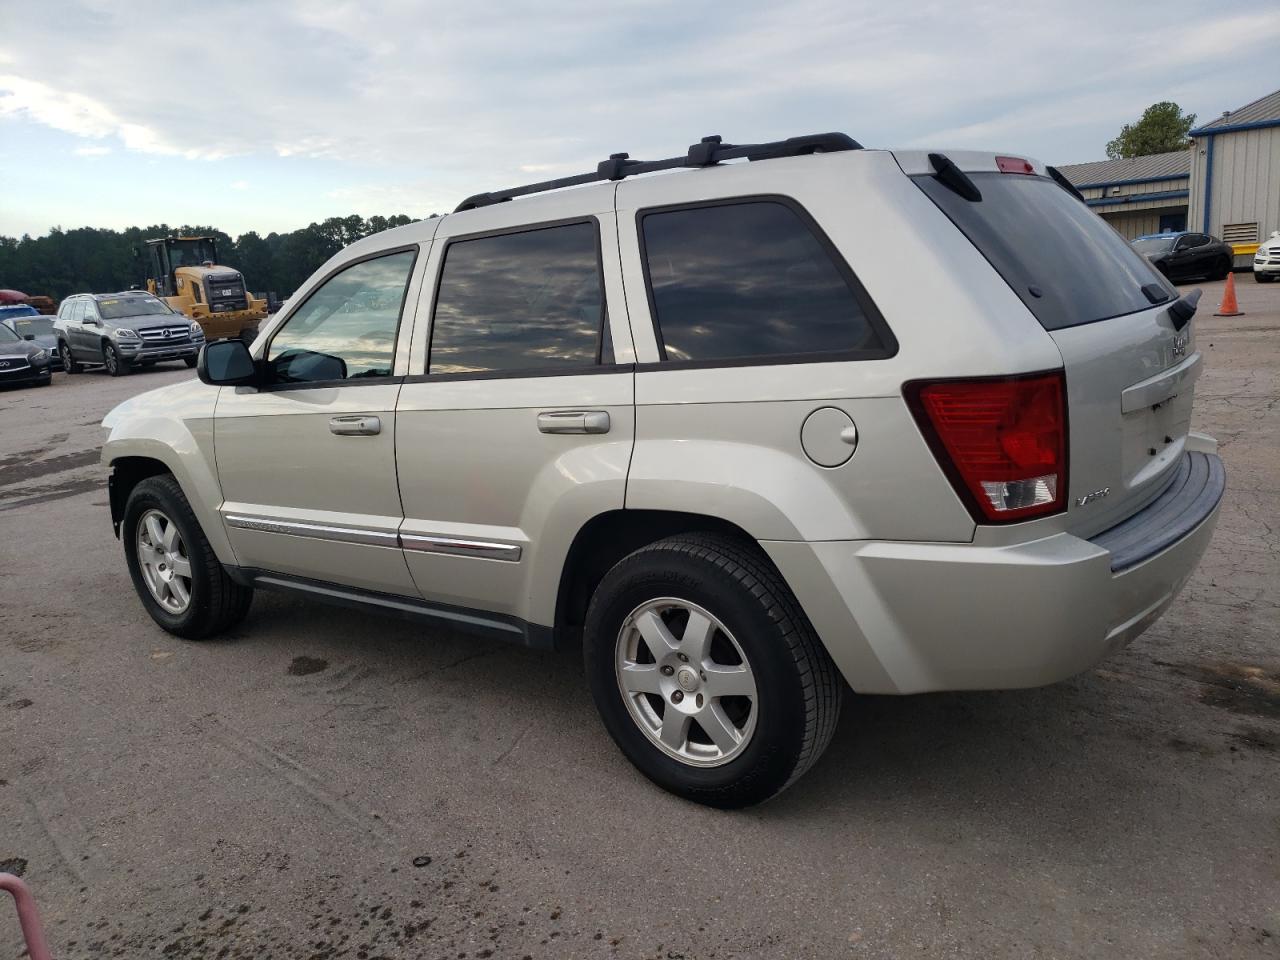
417,103
91,151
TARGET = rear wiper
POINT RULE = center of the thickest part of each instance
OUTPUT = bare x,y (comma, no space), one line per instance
953,178
1184,308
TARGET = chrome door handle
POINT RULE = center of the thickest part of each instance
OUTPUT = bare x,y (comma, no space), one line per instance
574,421
355,426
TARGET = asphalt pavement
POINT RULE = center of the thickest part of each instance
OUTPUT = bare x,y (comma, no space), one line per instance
327,784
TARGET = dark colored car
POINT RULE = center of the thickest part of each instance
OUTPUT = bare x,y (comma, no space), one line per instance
30,324
1184,256
23,361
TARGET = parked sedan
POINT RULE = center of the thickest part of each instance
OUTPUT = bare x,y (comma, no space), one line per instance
30,324
1186,256
22,361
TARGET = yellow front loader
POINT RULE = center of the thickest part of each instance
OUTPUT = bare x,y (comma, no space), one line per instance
184,272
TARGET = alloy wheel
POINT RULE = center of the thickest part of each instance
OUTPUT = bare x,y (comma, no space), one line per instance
163,560
686,682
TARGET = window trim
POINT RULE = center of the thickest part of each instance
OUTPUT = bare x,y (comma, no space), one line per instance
342,267
603,326
860,295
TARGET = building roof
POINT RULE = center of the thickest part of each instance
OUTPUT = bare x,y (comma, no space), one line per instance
1157,166
1264,110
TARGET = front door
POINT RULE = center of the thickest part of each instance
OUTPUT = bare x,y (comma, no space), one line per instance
307,463
518,426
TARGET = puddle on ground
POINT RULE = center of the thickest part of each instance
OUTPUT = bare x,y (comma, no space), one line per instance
302,666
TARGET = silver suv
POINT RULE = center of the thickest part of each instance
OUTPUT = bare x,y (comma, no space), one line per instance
747,432
122,331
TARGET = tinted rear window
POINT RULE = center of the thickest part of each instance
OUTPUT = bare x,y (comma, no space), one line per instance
1064,261
751,279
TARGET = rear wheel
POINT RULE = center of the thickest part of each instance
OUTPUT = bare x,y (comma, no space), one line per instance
706,672
174,569
113,362
68,362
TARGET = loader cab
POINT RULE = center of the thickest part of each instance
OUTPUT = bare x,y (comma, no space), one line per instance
164,257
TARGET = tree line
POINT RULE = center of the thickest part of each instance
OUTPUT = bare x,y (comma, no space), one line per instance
93,260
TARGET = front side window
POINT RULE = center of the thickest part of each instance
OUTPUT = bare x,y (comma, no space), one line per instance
347,327
520,301
751,279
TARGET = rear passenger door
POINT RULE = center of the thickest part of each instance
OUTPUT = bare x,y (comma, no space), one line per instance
516,423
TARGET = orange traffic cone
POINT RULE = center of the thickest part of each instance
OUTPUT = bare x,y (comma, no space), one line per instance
1229,307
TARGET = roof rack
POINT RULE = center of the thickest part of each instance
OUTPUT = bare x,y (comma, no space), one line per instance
706,153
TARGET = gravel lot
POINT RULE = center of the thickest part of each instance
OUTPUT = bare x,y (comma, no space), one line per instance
328,785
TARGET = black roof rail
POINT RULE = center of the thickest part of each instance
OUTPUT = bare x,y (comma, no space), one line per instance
705,153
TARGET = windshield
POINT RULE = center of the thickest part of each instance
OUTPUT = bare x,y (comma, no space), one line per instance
7,335
191,253
116,308
37,325
1062,260
1153,246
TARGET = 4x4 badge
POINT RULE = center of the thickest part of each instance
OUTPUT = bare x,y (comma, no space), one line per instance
1180,345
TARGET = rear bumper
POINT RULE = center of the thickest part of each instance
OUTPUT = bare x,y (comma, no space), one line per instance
915,617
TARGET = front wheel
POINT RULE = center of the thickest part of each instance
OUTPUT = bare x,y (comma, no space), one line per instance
112,361
69,363
1221,270
706,672
174,569
190,362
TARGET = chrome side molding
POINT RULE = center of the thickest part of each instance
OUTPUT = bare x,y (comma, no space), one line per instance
451,546
454,547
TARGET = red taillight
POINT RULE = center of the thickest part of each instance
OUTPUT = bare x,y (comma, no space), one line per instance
1014,165
1002,441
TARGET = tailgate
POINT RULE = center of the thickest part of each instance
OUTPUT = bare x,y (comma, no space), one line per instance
1130,369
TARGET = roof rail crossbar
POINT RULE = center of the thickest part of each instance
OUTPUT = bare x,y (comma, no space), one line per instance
706,153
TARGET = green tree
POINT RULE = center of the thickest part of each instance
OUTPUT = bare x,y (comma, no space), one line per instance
1162,128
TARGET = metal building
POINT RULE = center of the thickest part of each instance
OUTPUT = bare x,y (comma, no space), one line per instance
1235,175
1137,196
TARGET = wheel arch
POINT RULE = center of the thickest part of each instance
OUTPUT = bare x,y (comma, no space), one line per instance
127,473
608,537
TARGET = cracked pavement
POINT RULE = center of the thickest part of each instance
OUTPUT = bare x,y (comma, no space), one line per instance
324,784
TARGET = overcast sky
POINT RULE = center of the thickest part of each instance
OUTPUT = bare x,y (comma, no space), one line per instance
269,115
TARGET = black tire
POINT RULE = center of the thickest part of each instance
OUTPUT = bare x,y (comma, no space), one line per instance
190,362
1221,270
1261,278
69,364
248,335
798,687
217,602
113,363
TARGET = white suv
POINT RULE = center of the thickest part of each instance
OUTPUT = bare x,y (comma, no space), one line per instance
716,426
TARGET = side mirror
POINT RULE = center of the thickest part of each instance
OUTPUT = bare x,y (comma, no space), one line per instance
226,363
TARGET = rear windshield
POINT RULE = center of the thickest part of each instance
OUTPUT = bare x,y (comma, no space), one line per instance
117,309
1064,261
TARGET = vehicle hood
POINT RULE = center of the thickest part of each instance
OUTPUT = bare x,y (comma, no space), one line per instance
24,348
148,321
187,400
